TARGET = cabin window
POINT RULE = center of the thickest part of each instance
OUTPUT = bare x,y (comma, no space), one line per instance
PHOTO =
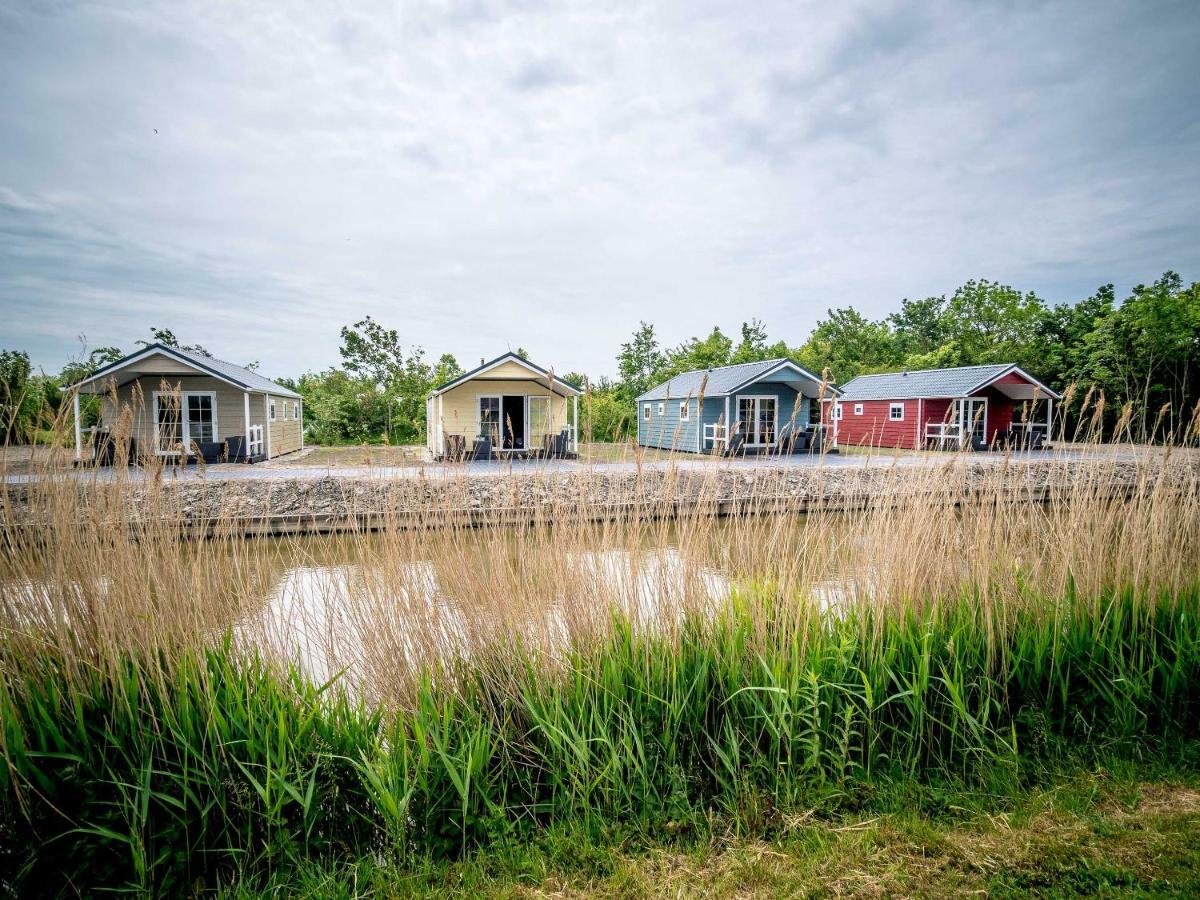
896,412
646,411
684,410
296,410
837,412
272,414
858,409
662,408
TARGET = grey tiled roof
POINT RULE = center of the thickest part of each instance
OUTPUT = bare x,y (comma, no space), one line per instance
247,378
924,383
720,381
239,375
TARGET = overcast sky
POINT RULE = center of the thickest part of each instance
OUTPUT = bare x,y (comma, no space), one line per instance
483,176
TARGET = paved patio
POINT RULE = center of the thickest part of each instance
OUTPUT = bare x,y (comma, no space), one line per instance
279,470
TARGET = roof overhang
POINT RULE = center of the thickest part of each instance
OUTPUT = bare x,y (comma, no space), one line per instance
794,376
144,363
1028,388
536,373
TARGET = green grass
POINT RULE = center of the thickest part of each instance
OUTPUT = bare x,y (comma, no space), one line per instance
164,775
1128,829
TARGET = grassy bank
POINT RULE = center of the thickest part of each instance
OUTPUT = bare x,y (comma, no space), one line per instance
177,720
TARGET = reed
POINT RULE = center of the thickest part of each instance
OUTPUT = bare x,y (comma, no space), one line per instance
178,712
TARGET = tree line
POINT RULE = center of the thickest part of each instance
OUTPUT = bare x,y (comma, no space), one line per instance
1143,350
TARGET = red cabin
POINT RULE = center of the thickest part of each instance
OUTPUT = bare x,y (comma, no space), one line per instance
968,406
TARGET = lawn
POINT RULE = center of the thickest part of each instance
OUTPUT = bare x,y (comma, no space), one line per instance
1133,830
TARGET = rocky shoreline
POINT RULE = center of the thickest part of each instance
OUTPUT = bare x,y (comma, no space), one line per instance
336,502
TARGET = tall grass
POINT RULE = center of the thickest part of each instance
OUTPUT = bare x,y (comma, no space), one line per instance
176,712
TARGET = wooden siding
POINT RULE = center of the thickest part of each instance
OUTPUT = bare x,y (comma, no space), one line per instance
460,406
286,429
666,432
874,428
134,400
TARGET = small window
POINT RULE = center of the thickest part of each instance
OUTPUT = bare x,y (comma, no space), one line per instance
896,412
272,410
296,410
685,410
646,412
858,409
837,412
662,408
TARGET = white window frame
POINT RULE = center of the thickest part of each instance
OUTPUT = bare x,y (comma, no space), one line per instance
499,398
271,408
837,412
858,409
892,408
752,431
296,410
184,424
685,410
662,407
645,412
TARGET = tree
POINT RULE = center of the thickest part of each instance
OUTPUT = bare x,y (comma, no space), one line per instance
19,399
989,322
919,329
639,361
753,346
166,337
848,344
1147,351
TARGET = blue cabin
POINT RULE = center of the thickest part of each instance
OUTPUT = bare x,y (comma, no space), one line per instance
762,403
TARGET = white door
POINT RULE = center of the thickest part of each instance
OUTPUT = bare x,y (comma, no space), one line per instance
758,419
971,414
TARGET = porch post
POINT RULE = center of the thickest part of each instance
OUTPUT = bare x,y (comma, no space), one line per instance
78,429
267,420
441,431
246,421
1049,418
300,406
725,446
575,422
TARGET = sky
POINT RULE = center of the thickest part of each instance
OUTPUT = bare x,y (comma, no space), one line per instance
487,176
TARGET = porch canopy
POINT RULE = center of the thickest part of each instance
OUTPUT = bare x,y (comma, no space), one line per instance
490,379
161,361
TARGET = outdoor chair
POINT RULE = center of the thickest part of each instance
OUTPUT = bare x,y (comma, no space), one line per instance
212,452
482,449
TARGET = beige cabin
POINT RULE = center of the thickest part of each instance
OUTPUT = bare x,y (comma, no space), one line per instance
506,407
166,402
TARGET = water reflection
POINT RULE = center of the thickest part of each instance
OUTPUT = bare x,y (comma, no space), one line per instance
350,619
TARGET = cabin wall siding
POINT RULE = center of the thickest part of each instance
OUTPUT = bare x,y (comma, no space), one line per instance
460,405
667,432
136,401
874,428
286,429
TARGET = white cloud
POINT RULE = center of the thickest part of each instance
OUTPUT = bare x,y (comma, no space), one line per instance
483,176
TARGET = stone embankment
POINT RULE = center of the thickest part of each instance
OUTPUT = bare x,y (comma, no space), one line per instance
284,505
